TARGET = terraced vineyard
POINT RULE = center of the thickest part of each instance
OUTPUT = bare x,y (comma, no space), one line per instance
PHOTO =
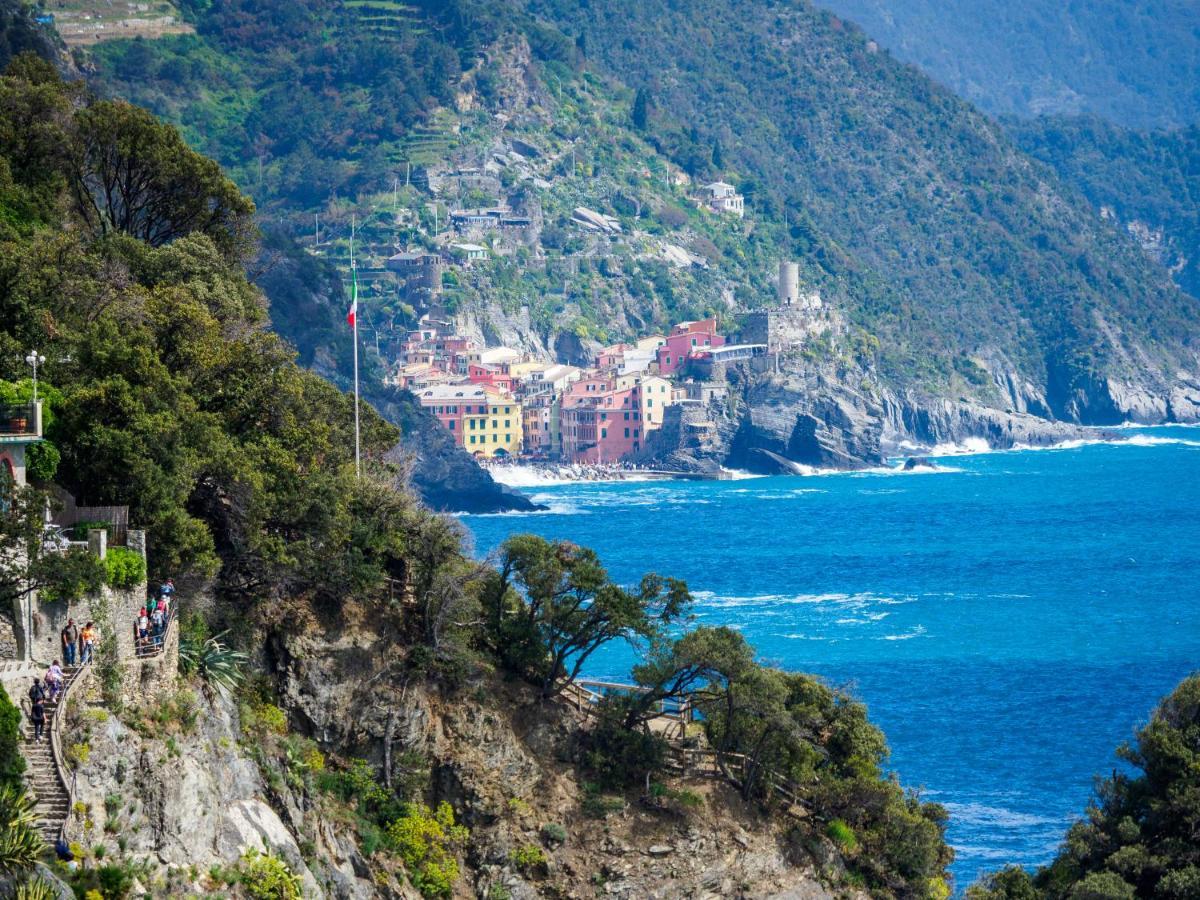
82,23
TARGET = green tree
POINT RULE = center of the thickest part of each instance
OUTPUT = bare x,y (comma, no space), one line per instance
133,174
643,109
12,763
552,605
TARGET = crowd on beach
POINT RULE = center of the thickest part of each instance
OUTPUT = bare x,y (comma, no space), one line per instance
150,626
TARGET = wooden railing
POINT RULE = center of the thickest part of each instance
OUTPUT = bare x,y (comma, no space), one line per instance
66,776
155,644
671,723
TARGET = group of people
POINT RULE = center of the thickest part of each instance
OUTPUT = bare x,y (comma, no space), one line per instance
48,688
152,618
78,643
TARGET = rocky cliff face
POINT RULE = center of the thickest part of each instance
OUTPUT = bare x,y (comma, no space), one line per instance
194,800
501,758
441,472
827,416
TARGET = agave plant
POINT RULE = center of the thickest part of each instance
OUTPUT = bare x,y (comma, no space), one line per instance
220,666
20,843
35,889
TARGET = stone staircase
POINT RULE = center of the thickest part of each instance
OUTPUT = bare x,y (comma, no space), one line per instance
45,772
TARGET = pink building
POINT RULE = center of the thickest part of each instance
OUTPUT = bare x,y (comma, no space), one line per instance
600,422
685,339
489,375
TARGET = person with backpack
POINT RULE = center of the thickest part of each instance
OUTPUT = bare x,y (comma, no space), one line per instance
55,680
158,620
37,693
70,637
37,716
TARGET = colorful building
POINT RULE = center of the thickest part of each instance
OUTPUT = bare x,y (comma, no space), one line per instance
685,339
485,422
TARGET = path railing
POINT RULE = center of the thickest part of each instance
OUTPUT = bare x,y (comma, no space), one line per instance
154,644
66,776
584,696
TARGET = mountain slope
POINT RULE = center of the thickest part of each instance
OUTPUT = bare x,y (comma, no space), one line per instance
972,266
1149,182
953,243
1133,62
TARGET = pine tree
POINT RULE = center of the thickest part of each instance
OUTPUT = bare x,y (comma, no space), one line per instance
641,109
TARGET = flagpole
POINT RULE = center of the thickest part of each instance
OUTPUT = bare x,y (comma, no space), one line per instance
354,306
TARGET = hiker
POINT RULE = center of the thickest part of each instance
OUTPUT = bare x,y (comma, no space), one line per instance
37,693
167,589
87,643
38,717
54,680
158,620
70,636
143,627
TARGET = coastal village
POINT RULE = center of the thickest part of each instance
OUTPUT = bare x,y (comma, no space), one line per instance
501,404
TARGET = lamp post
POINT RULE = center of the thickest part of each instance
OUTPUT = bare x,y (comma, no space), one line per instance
35,359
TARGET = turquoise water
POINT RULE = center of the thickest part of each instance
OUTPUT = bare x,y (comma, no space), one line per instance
1009,620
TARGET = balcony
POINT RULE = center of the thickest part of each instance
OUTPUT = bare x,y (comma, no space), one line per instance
20,424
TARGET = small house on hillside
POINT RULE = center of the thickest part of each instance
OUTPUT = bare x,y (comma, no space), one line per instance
723,199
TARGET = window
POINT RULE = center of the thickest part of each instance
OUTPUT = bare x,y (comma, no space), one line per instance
495,423
635,432
603,417
506,423
649,402
451,424
693,342
603,432
495,438
472,439
508,439
506,410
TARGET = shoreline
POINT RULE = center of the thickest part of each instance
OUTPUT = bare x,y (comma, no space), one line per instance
931,459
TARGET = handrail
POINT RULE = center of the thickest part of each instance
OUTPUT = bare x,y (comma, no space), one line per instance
154,647
82,673
577,695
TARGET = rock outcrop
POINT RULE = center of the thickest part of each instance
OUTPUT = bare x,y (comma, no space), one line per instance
501,758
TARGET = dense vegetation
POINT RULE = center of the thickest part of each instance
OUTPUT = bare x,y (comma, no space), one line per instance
1134,62
1139,836
951,243
1151,177
911,210
169,393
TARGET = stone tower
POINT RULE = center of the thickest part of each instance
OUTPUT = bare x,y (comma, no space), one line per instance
788,288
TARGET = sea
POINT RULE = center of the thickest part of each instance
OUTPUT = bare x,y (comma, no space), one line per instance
1009,618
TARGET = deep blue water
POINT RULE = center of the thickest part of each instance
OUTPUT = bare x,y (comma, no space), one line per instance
1008,620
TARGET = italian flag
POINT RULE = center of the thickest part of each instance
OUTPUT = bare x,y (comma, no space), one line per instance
352,316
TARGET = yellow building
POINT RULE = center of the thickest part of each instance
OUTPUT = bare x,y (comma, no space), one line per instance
493,428
653,397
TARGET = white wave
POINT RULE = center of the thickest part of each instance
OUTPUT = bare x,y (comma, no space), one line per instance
740,474
1134,440
916,632
900,469
968,447
796,636
837,600
548,476
999,816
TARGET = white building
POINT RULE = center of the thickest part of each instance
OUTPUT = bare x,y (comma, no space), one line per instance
723,198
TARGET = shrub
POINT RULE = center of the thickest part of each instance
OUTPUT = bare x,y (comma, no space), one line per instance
425,841
615,757
554,833
41,462
842,835
123,568
79,531
12,763
265,876
77,754
529,858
